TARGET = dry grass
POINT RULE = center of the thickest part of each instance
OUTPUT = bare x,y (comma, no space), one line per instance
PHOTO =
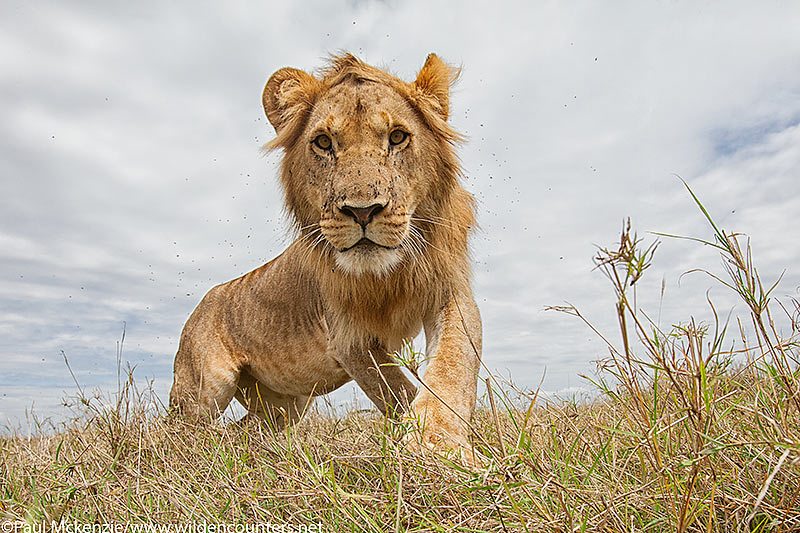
685,436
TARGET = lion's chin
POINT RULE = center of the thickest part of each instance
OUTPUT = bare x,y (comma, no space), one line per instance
363,259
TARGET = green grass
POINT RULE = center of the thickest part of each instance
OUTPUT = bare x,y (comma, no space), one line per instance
686,434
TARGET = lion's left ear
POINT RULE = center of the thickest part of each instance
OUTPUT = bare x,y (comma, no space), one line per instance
434,81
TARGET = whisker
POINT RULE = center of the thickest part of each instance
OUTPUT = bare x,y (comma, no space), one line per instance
303,228
327,247
309,244
416,247
449,223
428,243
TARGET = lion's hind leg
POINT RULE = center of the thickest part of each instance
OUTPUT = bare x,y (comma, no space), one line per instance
205,382
266,405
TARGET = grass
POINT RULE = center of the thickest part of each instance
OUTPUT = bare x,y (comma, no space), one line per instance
686,434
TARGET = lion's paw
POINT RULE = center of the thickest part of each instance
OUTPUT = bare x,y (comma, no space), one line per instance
429,441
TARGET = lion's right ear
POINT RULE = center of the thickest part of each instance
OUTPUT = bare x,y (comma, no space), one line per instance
288,93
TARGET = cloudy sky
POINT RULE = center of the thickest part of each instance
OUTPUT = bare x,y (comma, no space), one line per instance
132,179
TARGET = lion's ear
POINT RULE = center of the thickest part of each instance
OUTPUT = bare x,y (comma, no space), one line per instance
288,92
434,81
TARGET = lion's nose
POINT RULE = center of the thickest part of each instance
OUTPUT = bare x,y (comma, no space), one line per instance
362,215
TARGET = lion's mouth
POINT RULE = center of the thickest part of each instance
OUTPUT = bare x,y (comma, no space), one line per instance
367,255
366,244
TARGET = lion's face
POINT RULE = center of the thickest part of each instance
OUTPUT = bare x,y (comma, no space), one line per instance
358,166
365,171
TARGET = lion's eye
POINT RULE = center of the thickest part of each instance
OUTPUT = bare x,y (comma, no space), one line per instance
397,137
323,142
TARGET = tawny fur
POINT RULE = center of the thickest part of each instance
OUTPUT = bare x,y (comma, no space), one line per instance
353,287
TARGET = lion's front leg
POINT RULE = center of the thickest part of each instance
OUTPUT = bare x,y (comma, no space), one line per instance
377,373
446,399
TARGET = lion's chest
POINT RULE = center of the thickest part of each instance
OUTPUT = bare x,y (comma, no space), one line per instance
389,316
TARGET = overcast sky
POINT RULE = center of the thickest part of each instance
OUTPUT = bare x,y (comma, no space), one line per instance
132,179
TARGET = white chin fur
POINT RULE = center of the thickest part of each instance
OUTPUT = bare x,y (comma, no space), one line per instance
378,261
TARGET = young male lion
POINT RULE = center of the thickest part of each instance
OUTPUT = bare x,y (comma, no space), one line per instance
371,180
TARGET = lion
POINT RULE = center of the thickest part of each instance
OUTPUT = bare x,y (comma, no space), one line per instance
371,182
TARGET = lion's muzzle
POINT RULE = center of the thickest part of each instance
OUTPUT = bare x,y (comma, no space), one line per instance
366,234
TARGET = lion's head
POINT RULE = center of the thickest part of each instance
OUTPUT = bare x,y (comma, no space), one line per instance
369,171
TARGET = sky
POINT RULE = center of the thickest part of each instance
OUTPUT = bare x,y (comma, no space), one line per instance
133,179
